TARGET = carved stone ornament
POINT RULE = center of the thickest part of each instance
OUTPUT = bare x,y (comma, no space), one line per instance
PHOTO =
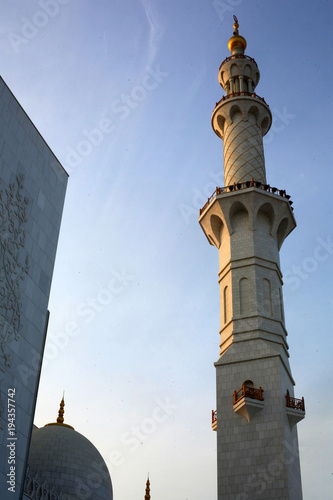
37,489
14,264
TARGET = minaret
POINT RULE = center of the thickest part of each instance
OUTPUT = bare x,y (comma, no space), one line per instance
248,220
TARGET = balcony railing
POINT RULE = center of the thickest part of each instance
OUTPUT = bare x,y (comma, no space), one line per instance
214,416
243,93
238,56
214,420
243,185
248,392
296,404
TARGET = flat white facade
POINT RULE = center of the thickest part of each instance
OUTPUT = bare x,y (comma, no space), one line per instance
32,192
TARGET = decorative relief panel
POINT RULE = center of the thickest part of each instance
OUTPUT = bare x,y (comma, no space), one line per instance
37,489
14,264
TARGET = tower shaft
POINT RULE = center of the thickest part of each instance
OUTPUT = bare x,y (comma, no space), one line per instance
247,220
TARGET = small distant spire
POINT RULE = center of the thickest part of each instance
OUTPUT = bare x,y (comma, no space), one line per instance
147,495
60,419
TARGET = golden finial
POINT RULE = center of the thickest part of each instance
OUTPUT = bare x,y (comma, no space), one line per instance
235,25
147,495
60,419
237,43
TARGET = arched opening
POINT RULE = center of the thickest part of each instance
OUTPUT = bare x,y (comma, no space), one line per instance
221,122
247,70
264,125
281,232
216,225
256,78
235,114
225,304
238,217
267,211
253,115
267,297
281,304
244,296
234,70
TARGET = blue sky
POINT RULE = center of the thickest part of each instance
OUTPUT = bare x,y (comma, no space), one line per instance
123,92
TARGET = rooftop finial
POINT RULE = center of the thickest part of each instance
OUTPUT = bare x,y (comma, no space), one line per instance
235,25
60,419
147,495
237,43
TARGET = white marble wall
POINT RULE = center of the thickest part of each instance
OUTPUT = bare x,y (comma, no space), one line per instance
256,459
32,190
257,448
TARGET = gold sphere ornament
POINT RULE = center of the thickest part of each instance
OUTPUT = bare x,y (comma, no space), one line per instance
236,40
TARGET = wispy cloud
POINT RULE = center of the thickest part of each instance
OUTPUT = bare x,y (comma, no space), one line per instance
155,30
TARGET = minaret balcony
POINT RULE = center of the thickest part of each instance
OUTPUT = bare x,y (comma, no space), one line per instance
295,409
214,420
238,56
245,185
248,401
249,392
240,94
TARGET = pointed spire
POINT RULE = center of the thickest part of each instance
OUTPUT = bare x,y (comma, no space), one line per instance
60,419
147,495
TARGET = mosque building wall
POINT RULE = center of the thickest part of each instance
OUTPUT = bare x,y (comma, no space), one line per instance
32,191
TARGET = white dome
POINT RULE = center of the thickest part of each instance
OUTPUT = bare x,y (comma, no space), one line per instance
69,461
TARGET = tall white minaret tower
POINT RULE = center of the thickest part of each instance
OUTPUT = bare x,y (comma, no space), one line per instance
248,220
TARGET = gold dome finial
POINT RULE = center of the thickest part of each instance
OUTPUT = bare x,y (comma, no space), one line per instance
237,43
235,25
60,419
147,495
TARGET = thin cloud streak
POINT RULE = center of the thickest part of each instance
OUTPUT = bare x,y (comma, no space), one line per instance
155,31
